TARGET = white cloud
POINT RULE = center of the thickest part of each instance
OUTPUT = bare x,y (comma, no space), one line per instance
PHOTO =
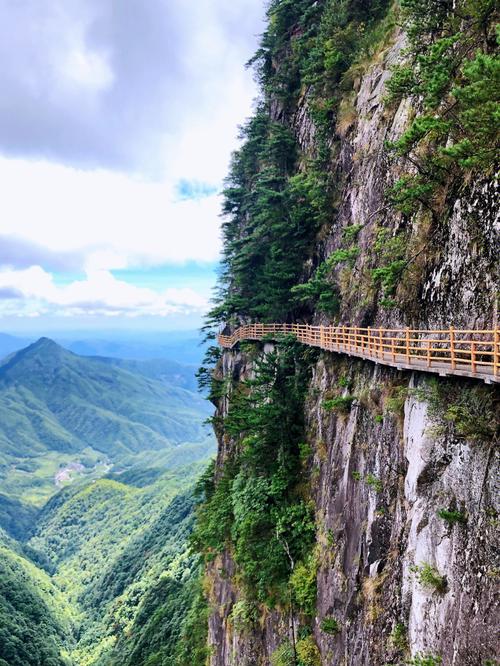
108,218
108,107
100,293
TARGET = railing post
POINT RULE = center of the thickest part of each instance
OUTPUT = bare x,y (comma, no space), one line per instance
392,348
496,352
321,336
452,348
369,341
381,350
408,357
473,356
428,352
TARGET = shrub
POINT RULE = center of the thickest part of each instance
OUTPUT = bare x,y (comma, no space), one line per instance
374,483
330,625
307,652
356,475
388,276
469,411
283,655
399,636
340,404
396,401
451,516
303,584
351,232
430,577
244,615
425,660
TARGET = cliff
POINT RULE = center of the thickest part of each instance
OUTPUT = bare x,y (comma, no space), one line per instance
352,517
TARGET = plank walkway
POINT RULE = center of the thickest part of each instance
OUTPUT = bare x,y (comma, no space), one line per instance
466,353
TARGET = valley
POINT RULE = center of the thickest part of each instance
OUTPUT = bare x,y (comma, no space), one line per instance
98,458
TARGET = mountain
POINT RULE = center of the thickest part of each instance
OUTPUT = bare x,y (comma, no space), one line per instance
166,371
121,557
63,416
35,619
352,515
98,461
106,579
184,349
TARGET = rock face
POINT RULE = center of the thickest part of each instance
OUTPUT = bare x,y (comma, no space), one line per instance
398,578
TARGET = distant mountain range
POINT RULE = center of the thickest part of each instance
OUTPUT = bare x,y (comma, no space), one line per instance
184,348
98,457
64,416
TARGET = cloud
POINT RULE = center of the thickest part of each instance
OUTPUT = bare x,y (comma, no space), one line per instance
64,219
18,252
100,83
32,292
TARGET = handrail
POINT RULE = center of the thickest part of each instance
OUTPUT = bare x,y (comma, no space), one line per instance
468,353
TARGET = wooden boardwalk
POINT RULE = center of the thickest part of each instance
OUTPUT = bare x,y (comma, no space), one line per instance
466,353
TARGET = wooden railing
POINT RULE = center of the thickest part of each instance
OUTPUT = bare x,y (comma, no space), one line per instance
470,353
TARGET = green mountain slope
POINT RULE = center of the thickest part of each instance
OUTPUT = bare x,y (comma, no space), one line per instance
35,620
120,556
64,416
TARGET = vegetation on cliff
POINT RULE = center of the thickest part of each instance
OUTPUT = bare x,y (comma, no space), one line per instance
284,259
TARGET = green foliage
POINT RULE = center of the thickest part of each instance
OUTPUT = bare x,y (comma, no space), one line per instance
306,451
396,401
351,232
254,507
244,615
275,200
16,518
272,213
389,276
455,72
410,192
35,622
192,648
470,412
425,660
429,577
330,625
319,290
356,475
120,555
374,483
307,652
303,584
399,636
341,404
451,516
283,655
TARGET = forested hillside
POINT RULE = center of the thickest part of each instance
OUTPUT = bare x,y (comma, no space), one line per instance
65,417
107,578
101,573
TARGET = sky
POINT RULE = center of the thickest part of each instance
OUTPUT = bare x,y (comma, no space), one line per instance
117,122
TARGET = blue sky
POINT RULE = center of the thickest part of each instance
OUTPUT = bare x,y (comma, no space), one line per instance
116,132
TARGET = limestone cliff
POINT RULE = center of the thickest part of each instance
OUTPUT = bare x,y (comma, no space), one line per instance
402,474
